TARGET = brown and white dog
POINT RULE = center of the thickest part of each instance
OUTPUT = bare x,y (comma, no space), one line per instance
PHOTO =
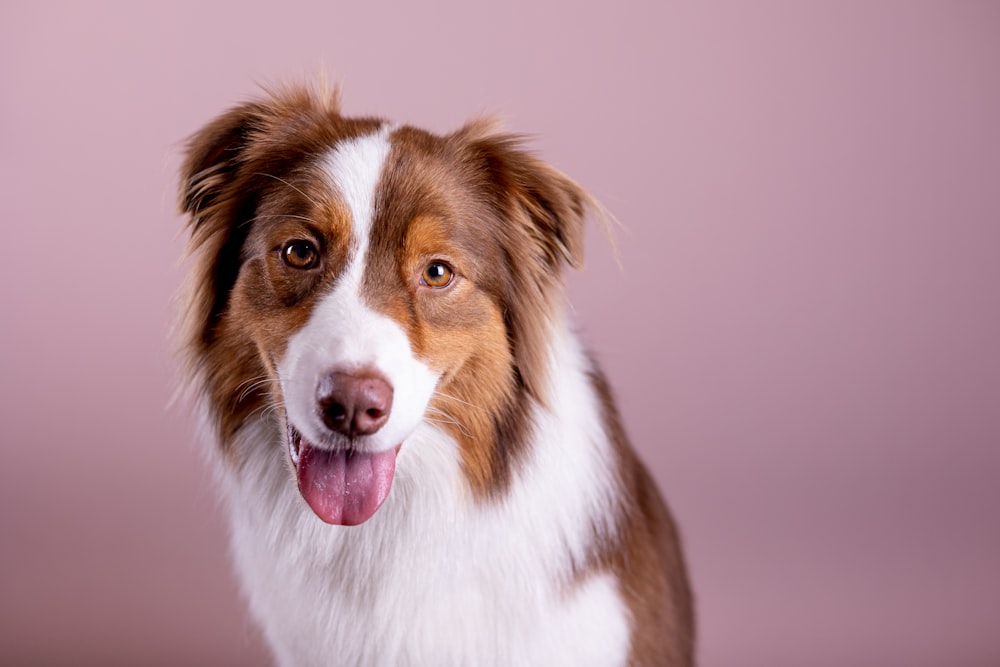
421,464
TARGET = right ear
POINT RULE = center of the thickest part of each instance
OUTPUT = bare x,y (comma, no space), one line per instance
216,194
214,179
214,155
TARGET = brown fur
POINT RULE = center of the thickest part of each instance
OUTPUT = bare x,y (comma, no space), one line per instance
506,222
647,558
241,173
245,192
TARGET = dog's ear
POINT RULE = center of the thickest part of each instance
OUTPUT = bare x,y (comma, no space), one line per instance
216,195
214,154
541,214
552,206
250,134
227,165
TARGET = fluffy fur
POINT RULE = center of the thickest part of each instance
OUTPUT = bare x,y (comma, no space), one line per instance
520,528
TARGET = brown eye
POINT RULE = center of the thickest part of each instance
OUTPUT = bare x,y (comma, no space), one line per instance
437,274
300,255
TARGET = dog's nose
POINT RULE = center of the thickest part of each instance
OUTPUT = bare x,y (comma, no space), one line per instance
354,403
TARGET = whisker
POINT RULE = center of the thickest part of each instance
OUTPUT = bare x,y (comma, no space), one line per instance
249,380
259,382
277,178
267,216
267,409
446,422
458,400
448,419
270,410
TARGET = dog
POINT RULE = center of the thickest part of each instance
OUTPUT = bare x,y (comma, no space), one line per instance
421,463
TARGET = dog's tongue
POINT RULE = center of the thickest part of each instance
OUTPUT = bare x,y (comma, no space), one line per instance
342,487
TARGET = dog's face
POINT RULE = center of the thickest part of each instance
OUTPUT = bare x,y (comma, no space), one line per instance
361,280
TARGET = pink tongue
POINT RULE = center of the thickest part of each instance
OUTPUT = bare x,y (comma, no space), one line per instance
344,488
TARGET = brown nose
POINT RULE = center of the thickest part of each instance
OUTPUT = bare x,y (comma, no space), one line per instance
354,403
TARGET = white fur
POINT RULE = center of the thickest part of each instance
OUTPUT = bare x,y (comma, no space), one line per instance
435,577
343,333
330,340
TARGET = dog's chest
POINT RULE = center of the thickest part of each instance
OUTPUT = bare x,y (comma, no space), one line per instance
446,613
438,584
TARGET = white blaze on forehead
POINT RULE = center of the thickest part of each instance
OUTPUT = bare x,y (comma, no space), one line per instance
354,168
343,333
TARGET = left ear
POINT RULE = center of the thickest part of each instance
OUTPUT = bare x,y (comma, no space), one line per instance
552,205
556,207
540,216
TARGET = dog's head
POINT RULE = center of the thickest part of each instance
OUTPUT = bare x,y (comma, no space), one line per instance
352,280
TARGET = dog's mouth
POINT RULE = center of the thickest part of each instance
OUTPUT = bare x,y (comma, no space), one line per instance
342,486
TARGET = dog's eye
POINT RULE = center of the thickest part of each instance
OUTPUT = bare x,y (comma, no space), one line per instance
300,255
437,274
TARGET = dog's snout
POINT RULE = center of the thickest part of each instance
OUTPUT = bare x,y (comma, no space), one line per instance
355,403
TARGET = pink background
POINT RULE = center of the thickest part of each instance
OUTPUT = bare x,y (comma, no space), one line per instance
805,338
